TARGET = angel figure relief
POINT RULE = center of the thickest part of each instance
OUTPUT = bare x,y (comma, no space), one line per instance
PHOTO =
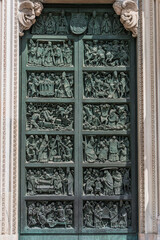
128,11
28,11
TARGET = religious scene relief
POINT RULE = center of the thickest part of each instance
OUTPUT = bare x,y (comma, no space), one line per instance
89,23
49,149
55,181
48,116
47,214
106,117
107,181
107,215
113,53
102,149
106,85
50,53
51,24
50,85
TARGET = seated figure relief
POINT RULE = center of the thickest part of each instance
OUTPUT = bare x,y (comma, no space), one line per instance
106,85
107,215
97,23
102,149
55,181
41,116
50,85
49,149
47,214
106,117
113,53
50,53
107,181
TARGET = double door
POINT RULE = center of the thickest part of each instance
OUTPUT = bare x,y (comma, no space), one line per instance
78,126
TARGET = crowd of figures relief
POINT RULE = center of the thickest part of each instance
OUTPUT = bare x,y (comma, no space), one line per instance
50,214
106,53
49,116
50,53
44,149
57,181
50,85
106,117
107,215
106,85
102,149
95,23
106,181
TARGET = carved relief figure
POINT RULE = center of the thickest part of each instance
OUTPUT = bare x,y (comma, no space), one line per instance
48,53
49,116
93,25
57,181
107,215
50,24
106,26
105,116
94,22
106,85
62,27
44,149
47,214
50,85
102,149
106,53
107,182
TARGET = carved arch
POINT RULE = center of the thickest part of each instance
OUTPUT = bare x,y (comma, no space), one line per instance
126,9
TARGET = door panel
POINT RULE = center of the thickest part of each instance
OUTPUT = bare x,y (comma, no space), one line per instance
78,126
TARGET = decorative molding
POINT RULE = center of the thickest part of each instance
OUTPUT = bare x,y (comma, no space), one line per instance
3,119
15,122
140,104
128,12
28,11
153,119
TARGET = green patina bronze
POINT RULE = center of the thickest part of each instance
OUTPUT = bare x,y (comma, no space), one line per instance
78,127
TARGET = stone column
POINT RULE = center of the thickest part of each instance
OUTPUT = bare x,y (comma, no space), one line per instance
9,121
158,106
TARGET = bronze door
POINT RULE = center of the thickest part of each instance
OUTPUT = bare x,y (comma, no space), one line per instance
78,151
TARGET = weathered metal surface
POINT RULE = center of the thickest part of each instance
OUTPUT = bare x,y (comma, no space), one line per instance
78,128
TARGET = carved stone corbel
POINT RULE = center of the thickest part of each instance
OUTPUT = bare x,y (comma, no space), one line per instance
28,11
128,11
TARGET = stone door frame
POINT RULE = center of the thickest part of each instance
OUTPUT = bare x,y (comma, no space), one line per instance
148,88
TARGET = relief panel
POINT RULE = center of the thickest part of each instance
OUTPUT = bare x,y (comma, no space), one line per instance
88,22
106,117
49,149
112,85
102,149
50,53
49,116
55,181
47,214
107,215
113,53
55,85
106,181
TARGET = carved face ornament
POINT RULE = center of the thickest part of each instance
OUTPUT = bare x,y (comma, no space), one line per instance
128,11
26,14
